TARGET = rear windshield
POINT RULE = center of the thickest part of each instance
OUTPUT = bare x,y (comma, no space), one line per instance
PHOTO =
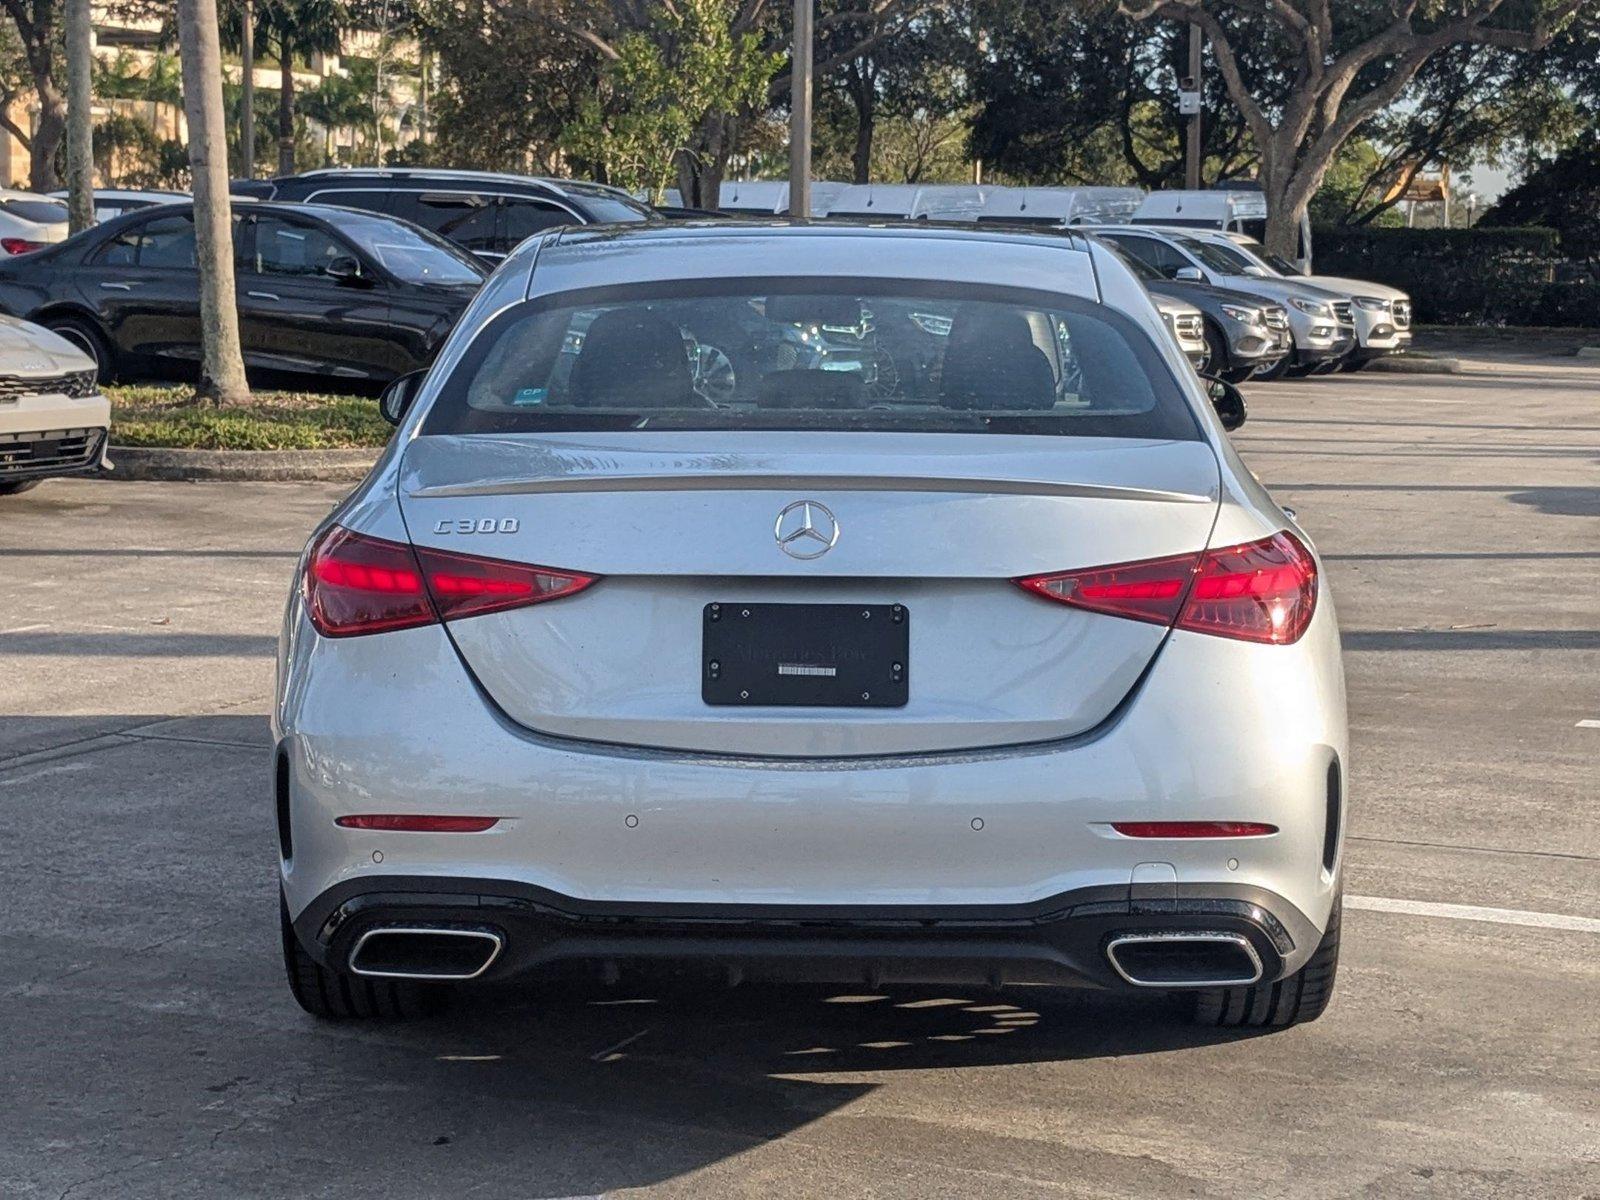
41,212
813,354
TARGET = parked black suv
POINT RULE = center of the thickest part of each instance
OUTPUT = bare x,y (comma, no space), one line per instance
482,211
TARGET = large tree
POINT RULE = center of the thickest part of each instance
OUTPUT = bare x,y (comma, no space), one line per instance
642,120
599,26
1074,93
37,24
222,376
80,116
290,29
1344,62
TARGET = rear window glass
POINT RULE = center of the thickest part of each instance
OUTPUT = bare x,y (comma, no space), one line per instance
826,355
42,212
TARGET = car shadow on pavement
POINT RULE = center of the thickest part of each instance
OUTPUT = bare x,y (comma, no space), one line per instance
685,1076
140,915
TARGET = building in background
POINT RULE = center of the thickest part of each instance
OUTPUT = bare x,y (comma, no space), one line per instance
356,107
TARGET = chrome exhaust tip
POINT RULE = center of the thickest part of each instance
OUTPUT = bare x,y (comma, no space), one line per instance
1182,958
429,952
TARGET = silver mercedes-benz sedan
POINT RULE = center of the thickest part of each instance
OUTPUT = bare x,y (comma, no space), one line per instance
841,603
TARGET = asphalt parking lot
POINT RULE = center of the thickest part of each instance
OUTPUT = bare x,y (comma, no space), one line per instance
149,1047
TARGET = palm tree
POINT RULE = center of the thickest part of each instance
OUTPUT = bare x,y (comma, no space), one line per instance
221,362
290,29
80,117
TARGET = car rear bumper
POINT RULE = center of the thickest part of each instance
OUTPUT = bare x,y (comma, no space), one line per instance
394,723
1060,940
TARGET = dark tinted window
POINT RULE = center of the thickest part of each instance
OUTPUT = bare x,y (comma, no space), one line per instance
167,242
412,255
610,208
370,199
814,354
288,248
1156,254
464,218
523,217
44,212
120,251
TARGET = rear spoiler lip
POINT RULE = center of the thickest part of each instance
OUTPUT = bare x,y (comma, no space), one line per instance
810,481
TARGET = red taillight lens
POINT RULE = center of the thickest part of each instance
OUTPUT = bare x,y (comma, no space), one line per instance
355,584
1262,591
397,823
1152,590
1193,829
464,585
20,245
1265,591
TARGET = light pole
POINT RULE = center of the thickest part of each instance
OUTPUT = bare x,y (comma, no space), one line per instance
247,89
1191,164
800,112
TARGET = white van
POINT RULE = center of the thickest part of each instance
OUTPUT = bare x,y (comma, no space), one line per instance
1058,207
1229,210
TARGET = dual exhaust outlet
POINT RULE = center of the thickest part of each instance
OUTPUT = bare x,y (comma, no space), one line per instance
442,953
1174,958
1183,958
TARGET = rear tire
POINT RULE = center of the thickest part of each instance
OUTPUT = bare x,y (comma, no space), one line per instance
84,334
17,486
342,996
1355,364
1299,998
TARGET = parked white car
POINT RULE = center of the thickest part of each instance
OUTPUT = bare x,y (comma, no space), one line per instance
113,202
1382,314
53,418
29,221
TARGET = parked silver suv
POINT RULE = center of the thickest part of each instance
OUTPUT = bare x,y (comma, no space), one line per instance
1321,323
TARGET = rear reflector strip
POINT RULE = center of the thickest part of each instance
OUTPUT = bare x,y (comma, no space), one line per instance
397,823
1193,829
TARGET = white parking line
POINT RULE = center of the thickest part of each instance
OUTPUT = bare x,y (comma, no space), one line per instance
1471,912
1589,723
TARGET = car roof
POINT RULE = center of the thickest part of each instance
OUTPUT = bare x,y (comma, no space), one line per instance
604,255
20,194
560,187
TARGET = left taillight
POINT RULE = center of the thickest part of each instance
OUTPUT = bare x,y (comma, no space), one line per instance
1263,591
16,245
355,584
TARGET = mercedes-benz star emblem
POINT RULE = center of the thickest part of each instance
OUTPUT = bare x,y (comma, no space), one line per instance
806,529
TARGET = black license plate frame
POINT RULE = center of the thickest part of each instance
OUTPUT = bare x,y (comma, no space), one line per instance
805,655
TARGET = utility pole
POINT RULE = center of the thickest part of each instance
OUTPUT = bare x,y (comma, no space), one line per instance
1191,166
800,112
247,89
80,116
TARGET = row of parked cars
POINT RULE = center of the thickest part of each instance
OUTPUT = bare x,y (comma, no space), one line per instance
357,276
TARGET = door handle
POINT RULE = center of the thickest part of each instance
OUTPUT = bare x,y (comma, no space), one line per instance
265,295
117,287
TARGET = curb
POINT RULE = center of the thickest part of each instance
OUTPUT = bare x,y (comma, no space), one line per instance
297,466
1416,364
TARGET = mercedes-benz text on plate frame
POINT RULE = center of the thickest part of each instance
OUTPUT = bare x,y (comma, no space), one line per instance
806,529
586,672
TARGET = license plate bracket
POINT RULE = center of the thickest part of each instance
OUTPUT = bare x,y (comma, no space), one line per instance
806,655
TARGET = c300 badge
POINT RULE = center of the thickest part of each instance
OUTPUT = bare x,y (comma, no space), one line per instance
477,525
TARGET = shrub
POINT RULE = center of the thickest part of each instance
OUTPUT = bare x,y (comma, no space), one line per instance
1474,276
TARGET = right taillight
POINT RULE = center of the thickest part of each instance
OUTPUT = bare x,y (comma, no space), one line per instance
355,584
1261,591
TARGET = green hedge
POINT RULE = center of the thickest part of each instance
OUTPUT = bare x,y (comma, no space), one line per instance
1470,276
